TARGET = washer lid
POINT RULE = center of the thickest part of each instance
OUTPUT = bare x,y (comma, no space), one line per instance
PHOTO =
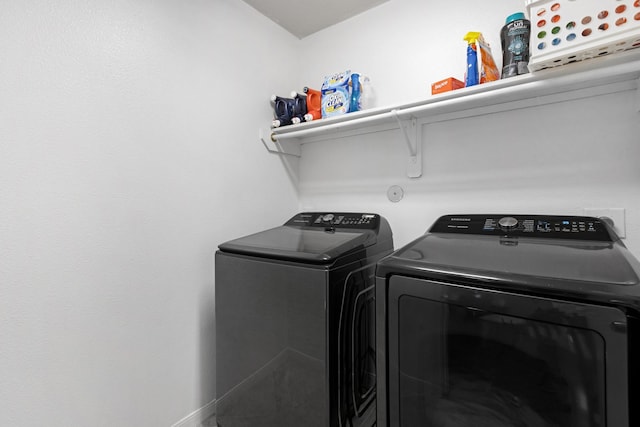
316,246
570,248
314,237
504,258
574,257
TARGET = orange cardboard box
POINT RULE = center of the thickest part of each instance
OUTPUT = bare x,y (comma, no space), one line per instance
446,85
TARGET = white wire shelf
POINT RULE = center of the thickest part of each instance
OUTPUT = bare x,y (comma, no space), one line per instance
574,81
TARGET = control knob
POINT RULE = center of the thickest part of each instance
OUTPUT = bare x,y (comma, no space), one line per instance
507,223
328,218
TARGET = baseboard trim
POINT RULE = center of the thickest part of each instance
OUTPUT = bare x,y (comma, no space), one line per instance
196,418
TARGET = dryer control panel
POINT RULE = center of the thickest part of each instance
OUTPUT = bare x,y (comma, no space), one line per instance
543,226
365,221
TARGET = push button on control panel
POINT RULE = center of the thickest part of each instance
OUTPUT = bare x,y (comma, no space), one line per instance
328,217
507,223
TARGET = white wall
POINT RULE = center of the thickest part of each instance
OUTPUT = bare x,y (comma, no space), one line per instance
128,151
405,45
554,159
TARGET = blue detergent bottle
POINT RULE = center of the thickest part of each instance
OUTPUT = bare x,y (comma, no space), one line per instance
354,100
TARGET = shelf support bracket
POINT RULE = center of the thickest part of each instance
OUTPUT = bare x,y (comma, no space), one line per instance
273,146
414,144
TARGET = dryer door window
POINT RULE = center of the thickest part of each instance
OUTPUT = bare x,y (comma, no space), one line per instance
462,356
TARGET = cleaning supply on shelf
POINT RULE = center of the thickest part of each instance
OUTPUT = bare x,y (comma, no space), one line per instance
446,85
514,37
283,111
481,67
299,107
367,95
354,98
314,98
336,94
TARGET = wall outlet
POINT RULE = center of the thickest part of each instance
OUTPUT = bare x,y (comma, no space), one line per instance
616,215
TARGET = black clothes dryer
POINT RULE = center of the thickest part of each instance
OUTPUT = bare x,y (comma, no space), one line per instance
509,320
295,318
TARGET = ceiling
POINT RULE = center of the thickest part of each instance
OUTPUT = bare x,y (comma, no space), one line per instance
304,17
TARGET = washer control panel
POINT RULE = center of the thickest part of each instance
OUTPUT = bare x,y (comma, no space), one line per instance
336,220
545,226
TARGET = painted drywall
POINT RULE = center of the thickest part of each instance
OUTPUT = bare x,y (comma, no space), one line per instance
405,45
128,151
555,159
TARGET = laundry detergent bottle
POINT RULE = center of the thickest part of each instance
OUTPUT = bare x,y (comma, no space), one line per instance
299,107
283,110
314,102
354,98
515,37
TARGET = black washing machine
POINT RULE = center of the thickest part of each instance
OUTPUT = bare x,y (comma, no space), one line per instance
509,320
295,319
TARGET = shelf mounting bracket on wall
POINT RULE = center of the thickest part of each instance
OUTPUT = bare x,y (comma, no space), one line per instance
273,146
414,144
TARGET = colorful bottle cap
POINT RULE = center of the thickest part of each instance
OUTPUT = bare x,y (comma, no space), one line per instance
515,17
